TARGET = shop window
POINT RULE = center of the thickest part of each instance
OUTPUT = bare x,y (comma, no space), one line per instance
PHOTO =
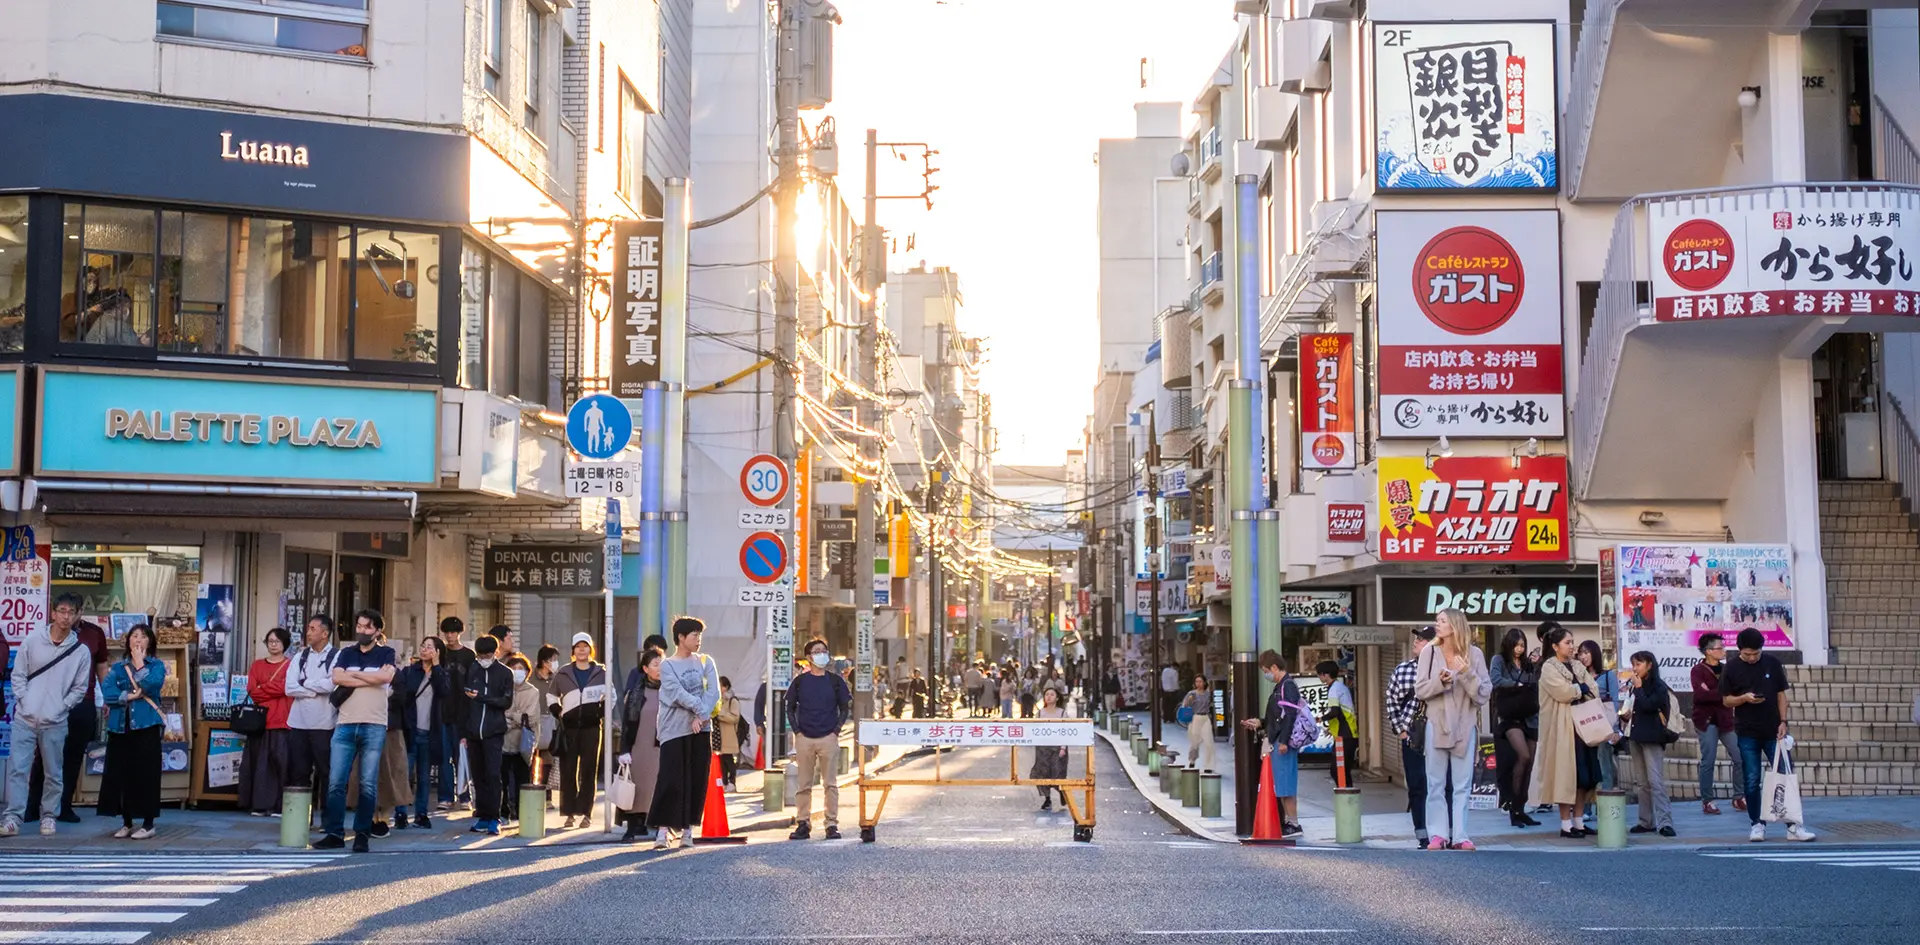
632,139
397,296
107,276
253,287
332,27
517,335
13,273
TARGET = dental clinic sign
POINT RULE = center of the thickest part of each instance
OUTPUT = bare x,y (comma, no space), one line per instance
186,428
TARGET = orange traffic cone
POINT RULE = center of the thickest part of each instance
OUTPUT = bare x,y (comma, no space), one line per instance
1266,813
713,821
760,755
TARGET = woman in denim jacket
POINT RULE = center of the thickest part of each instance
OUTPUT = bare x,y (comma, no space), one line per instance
130,785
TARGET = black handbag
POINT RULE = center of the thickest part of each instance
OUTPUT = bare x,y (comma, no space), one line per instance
250,718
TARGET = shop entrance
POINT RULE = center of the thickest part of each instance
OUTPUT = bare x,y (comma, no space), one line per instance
361,585
1846,407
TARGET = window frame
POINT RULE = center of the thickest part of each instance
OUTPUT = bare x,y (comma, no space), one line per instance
45,295
533,84
630,169
315,12
493,51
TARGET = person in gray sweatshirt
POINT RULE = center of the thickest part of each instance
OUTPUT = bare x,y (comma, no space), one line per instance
50,677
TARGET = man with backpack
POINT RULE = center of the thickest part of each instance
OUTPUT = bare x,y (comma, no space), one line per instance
52,673
310,720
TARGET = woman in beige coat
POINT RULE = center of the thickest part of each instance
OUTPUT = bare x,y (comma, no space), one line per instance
1451,678
727,733
1556,766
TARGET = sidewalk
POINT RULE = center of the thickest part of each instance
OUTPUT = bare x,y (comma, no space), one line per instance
200,831
1385,823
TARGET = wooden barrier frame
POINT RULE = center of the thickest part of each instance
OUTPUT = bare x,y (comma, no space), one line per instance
1082,811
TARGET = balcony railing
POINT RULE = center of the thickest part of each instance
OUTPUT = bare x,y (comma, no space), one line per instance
1210,150
1899,160
1583,91
1212,271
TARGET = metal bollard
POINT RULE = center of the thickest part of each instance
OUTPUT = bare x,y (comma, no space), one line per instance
1346,815
296,810
843,762
533,813
1189,786
1157,761
1139,743
1209,795
1610,812
773,789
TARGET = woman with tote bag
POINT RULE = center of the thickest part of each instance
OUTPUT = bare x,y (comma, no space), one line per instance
1567,769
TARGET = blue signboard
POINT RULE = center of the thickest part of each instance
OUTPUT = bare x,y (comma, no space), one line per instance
172,427
599,426
9,421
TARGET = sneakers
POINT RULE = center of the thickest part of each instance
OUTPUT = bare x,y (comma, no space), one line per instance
1800,833
1740,803
1291,830
586,820
1757,834
360,844
1466,845
493,828
1709,807
1436,843
686,837
801,832
663,839
380,829
330,842
9,828
46,826
833,833
423,822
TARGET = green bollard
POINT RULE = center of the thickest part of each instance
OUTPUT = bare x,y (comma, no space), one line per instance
773,789
533,813
1139,743
296,810
1610,811
1209,795
1189,786
844,761
1157,762
1346,815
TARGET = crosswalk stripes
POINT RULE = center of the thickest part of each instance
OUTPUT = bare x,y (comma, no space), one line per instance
1902,859
118,899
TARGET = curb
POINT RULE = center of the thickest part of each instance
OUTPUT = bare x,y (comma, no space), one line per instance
1165,807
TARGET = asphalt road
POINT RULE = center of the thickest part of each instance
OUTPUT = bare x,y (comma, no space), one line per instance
982,865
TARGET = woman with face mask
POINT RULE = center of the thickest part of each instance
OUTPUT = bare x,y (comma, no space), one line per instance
523,733
689,696
576,699
546,662
639,741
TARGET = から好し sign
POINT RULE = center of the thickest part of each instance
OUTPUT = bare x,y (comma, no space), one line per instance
205,426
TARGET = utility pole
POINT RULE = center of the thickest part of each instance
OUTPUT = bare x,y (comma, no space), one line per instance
786,295
1156,704
872,275
936,617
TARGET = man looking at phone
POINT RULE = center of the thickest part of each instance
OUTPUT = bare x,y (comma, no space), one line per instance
362,677
1755,686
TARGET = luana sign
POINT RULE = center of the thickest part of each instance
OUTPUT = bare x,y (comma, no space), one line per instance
262,152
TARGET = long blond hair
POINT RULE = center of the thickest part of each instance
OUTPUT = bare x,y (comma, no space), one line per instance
1455,643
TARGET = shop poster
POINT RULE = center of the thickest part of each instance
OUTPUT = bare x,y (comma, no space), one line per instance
1492,509
224,751
1485,793
213,618
213,689
25,575
1671,594
119,624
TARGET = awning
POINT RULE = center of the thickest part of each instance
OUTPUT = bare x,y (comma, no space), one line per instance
318,512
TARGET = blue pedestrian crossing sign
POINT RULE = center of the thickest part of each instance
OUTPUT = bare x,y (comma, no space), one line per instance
599,426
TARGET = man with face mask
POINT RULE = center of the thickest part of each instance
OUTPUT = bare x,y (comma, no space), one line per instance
489,694
366,671
818,704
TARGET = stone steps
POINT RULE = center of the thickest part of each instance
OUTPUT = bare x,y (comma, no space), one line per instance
1874,553
1897,578
1864,656
1897,778
1874,506
1811,749
1839,693
1870,673
1890,518
1859,489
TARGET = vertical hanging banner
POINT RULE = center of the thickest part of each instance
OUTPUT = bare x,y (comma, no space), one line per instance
636,306
1326,402
803,521
25,579
1470,324
1465,105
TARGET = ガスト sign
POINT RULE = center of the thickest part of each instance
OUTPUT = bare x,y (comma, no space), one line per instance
1326,402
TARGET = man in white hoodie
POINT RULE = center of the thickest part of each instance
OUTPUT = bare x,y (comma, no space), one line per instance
50,677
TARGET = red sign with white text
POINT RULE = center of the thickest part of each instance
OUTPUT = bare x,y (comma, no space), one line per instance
1470,324
1326,402
1474,508
1346,522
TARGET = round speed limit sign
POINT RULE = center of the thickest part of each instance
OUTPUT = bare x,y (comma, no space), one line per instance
764,480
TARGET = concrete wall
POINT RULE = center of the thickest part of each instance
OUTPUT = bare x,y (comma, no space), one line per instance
670,132
1130,297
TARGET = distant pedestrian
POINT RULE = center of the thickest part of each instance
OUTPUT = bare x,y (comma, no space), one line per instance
1756,686
818,705
1029,692
580,689
639,739
130,785
1200,747
918,687
546,662
1050,761
263,763
83,725
1110,690
425,689
1451,677
1649,704
1567,771
52,673
1284,706
975,683
366,670
689,695
1169,691
1516,723
1408,717
311,718
1340,718
1009,691
458,658
1713,720
728,725
524,716
489,695
396,781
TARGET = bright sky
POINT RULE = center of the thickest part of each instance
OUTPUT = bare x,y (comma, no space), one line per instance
1015,94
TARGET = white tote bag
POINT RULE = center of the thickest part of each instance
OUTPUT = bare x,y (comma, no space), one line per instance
623,789
1590,721
1780,790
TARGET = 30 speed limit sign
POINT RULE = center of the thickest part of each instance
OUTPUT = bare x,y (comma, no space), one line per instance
764,480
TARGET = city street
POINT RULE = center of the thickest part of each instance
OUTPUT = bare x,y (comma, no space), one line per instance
982,865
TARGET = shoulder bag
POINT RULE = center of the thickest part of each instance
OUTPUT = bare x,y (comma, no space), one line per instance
76,646
1590,719
249,717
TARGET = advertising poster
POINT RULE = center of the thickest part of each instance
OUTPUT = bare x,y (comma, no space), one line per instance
1786,253
1670,594
1326,402
1461,105
213,689
119,624
1316,608
25,572
213,618
6,706
1485,793
1473,508
636,305
1470,324
224,751
1346,523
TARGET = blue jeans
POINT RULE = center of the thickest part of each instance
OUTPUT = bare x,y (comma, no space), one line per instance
1756,756
423,754
364,740
48,742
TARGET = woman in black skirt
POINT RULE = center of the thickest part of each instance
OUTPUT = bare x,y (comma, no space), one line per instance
130,786
689,697
263,767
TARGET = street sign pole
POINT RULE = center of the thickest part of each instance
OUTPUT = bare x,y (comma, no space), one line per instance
614,577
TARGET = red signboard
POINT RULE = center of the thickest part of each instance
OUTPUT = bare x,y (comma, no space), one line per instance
1474,508
1326,402
1346,522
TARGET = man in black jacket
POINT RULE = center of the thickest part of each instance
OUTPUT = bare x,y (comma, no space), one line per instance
458,660
489,692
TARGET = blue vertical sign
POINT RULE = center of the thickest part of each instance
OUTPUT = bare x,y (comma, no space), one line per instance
613,556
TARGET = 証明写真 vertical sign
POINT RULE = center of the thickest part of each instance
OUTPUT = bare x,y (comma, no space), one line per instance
636,306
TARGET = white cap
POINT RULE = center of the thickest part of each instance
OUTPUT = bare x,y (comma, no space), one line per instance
579,638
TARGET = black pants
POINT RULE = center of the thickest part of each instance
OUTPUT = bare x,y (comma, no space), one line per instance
483,760
680,792
730,768
83,723
515,771
1414,765
309,762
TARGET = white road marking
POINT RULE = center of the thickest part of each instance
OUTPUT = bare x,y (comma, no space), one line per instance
1674,928
63,882
12,887
112,918
1184,932
37,937
124,903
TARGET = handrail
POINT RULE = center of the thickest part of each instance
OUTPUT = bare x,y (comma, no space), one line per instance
1898,160
1906,451
1583,92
